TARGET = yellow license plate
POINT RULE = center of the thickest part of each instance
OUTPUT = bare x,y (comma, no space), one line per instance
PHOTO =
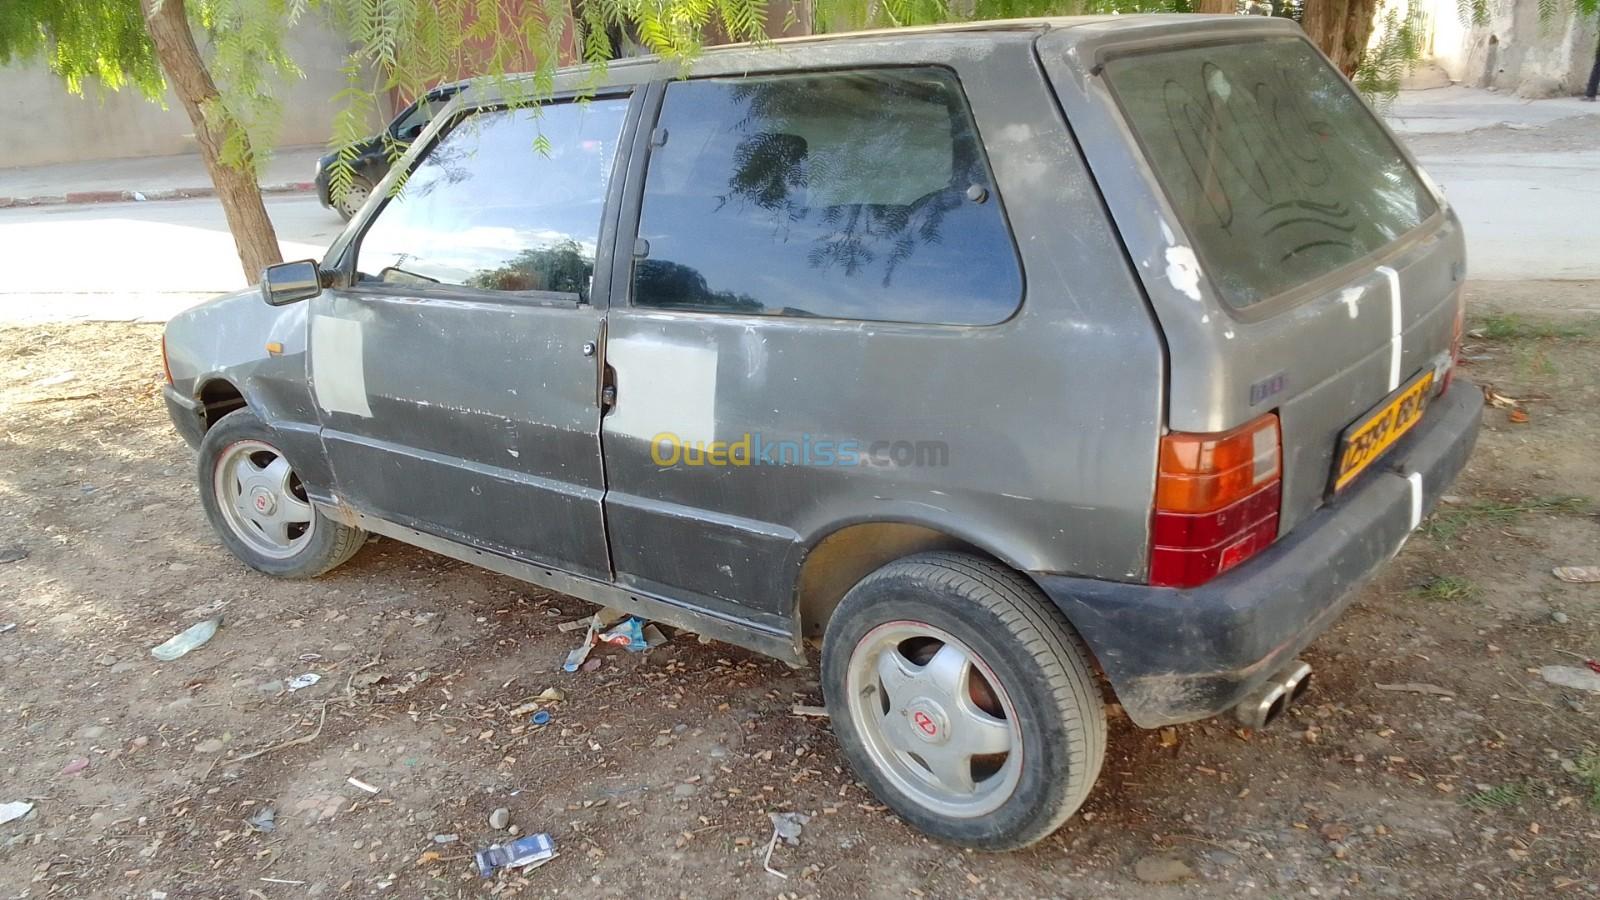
1375,432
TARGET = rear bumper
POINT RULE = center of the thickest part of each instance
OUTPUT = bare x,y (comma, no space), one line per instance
1179,655
186,414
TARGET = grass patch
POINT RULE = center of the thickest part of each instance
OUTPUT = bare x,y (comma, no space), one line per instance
1503,796
1533,362
1589,776
1446,524
1513,327
1446,589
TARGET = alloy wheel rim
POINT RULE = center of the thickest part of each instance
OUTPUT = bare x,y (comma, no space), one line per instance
262,500
934,719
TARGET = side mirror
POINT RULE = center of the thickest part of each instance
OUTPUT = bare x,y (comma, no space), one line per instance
290,282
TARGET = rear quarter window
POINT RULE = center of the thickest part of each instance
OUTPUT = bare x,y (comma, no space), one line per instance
1277,169
849,195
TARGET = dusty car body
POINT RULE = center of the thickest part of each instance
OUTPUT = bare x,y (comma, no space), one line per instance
1108,416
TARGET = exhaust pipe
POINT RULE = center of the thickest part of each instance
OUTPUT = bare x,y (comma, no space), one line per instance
1268,702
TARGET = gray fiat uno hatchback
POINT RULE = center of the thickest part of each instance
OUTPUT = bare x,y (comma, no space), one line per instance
1023,365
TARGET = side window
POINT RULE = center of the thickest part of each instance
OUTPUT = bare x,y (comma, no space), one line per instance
412,120
854,195
508,200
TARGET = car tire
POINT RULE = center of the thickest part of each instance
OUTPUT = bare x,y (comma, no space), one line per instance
934,662
354,197
259,507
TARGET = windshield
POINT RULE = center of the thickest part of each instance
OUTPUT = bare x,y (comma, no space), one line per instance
1277,169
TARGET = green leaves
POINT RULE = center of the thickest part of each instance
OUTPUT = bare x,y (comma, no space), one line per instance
249,63
1477,12
83,40
744,20
350,125
1503,796
405,47
1398,47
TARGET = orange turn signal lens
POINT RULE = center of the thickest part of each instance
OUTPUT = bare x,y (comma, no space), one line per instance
166,369
1217,498
1205,472
1456,333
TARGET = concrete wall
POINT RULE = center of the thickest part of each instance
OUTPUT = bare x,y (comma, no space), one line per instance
1515,50
43,124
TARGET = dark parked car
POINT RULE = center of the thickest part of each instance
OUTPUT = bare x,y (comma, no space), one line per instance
1015,364
373,155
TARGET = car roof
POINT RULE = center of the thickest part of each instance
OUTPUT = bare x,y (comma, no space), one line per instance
1087,34
1100,25
1035,23
1082,29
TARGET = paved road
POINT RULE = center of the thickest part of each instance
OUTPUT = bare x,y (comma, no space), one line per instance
1526,215
135,261
1524,176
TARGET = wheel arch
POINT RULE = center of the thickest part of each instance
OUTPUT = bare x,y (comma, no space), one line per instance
842,556
834,563
218,396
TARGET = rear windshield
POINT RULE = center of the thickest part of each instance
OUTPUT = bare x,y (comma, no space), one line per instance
1277,169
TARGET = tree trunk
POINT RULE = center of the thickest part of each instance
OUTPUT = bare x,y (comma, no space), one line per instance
237,189
1362,19
1341,28
1215,7
1323,21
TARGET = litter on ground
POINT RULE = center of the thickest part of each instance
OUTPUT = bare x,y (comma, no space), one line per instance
194,636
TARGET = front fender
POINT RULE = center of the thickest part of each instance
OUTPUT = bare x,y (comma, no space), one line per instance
227,339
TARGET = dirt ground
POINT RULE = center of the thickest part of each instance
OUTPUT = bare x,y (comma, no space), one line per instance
657,772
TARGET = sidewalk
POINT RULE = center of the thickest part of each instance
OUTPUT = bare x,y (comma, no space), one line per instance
291,169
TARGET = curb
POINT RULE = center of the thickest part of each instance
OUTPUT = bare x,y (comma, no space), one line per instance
291,187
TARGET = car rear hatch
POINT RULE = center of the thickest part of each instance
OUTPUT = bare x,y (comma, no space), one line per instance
1298,261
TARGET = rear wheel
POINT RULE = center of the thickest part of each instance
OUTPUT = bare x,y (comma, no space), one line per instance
964,700
259,507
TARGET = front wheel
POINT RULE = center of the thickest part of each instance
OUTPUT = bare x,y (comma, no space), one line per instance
964,700
259,507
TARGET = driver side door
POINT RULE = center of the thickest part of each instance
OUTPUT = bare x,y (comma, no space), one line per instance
456,372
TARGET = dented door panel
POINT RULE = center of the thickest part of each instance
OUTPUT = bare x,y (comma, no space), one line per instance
1045,424
456,367
475,420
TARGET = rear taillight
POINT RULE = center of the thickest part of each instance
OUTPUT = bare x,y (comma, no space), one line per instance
1217,498
1455,342
165,368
